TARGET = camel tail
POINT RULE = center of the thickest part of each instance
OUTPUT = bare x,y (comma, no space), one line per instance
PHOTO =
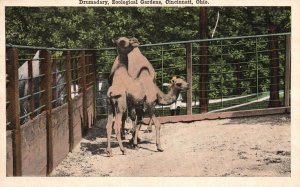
111,95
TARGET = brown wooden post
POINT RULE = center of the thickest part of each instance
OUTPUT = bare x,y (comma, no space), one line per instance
274,72
274,64
54,85
46,69
86,65
203,83
94,61
189,77
14,109
69,99
89,63
76,75
83,89
287,78
31,88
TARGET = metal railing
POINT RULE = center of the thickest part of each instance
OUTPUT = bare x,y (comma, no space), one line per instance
240,72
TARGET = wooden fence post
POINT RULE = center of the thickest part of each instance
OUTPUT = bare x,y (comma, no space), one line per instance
94,61
69,99
189,77
287,71
274,100
31,88
83,89
13,109
54,81
46,85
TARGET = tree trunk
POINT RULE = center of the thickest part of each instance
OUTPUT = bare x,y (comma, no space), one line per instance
274,68
203,84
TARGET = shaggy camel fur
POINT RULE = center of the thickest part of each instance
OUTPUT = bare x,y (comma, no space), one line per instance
138,94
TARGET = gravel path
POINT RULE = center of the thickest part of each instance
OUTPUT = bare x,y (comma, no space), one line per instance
255,146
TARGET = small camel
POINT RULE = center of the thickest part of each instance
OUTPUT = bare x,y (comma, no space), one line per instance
154,96
140,94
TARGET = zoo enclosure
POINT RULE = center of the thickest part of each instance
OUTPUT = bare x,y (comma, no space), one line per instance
46,118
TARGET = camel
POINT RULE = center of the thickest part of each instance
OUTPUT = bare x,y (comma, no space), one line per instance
135,62
140,94
119,79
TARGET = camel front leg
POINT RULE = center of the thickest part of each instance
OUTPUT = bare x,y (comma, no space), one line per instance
123,126
117,128
136,134
157,129
108,133
149,128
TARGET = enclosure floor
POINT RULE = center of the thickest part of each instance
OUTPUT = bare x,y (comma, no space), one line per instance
255,146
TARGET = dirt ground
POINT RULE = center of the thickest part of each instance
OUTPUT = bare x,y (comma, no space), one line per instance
255,146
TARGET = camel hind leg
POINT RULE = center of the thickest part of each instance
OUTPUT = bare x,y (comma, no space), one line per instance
135,137
157,129
117,127
139,118
108,133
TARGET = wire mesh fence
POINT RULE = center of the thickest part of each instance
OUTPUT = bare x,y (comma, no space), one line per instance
31,79
241,73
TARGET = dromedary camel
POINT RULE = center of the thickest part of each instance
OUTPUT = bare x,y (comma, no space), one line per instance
140,94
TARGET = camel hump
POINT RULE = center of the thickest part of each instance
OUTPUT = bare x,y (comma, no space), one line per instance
137,61
143,70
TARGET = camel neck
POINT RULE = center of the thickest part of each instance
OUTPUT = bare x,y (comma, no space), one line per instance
123,59
169,98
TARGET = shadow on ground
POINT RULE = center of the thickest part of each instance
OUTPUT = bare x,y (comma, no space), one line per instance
98,147
94,133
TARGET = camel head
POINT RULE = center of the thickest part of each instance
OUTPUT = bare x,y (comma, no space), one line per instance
179,84
125,45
